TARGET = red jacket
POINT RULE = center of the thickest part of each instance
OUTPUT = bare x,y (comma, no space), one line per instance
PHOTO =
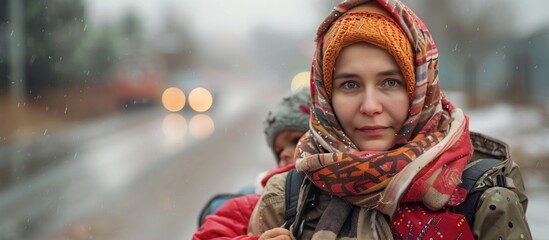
230,221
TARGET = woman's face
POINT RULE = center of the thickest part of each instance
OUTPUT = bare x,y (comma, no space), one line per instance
284,146
369,96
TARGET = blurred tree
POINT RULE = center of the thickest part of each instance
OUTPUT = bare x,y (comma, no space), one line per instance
54,29
60,48
131,40
176,46
4,46
109,46
98,53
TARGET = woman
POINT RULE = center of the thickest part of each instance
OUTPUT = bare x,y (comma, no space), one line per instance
386,150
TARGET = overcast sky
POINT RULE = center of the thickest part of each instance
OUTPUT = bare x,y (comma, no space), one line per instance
236,16
240,16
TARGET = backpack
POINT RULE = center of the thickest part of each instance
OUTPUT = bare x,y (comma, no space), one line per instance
217,200
213,204
470,181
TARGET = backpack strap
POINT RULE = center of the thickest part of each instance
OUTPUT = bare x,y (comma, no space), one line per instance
294,181
469,179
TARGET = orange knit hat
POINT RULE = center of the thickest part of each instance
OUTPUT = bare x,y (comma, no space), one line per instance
372,24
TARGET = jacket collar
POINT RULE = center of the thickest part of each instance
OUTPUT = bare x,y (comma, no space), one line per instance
489,147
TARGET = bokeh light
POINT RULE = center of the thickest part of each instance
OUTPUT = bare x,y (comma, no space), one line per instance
174,126
300,80
200,99
173,99
201,126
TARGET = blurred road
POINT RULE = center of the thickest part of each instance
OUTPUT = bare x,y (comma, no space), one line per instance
127,177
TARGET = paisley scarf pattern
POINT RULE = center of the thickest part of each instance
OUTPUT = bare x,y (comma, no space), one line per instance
432,147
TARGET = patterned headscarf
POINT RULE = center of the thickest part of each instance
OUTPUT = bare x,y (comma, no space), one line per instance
433,145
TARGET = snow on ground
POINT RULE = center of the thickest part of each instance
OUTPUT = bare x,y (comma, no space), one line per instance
519,126
522,127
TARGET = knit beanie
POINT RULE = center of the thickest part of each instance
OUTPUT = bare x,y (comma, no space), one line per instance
292,113
369,23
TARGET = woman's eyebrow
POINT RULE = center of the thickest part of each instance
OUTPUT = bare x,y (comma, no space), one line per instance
384,73
390,72
345,75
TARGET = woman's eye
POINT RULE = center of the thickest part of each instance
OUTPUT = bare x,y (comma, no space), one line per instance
392,83
350,85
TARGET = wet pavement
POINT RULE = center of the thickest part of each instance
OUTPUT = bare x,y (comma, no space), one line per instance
134,176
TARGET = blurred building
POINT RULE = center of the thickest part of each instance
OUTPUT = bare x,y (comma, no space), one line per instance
518,69
535,53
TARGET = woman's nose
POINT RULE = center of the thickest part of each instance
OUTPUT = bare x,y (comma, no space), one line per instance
370,104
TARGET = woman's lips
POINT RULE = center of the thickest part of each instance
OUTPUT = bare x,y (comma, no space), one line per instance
372,130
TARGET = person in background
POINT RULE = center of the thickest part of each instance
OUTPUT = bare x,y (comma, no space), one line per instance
283,127
386,150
